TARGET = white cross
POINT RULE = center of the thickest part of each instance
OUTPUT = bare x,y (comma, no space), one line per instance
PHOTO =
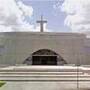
41,23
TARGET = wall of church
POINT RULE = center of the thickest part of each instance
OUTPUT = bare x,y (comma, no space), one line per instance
20,45
87,50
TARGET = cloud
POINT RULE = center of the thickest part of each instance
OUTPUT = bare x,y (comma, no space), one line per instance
27,10
13,15
78,15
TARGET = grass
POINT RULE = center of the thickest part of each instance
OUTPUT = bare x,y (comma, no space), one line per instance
2,83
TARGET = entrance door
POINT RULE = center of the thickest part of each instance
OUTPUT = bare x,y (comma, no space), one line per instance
44,57
44,60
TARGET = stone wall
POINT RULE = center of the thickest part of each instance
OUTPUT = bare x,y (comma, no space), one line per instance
20,45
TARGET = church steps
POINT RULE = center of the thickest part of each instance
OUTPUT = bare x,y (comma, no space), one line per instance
44,78
57,70
40,68
41,73
44,69
50,76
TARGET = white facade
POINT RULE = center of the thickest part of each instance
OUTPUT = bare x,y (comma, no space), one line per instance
15,47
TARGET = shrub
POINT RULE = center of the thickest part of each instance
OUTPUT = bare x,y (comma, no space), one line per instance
2,83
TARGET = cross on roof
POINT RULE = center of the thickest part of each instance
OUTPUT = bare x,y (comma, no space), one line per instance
41,23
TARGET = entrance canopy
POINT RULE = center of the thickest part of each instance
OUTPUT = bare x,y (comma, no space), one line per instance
45,57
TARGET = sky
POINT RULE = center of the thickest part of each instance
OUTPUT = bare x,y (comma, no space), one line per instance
61,15
54,17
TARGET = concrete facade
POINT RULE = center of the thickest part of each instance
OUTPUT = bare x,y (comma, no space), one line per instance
15,47
87,49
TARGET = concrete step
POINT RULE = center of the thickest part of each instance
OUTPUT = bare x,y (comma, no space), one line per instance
44,78
44,75
40,68
41,73
38,73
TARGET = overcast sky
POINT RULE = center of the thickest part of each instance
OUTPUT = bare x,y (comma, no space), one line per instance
62,15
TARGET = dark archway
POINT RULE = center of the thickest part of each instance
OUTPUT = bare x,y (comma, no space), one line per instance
45,57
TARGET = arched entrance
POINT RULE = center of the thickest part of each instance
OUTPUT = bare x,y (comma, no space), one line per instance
45,57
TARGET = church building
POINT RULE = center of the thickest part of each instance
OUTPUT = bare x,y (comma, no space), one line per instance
44,48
